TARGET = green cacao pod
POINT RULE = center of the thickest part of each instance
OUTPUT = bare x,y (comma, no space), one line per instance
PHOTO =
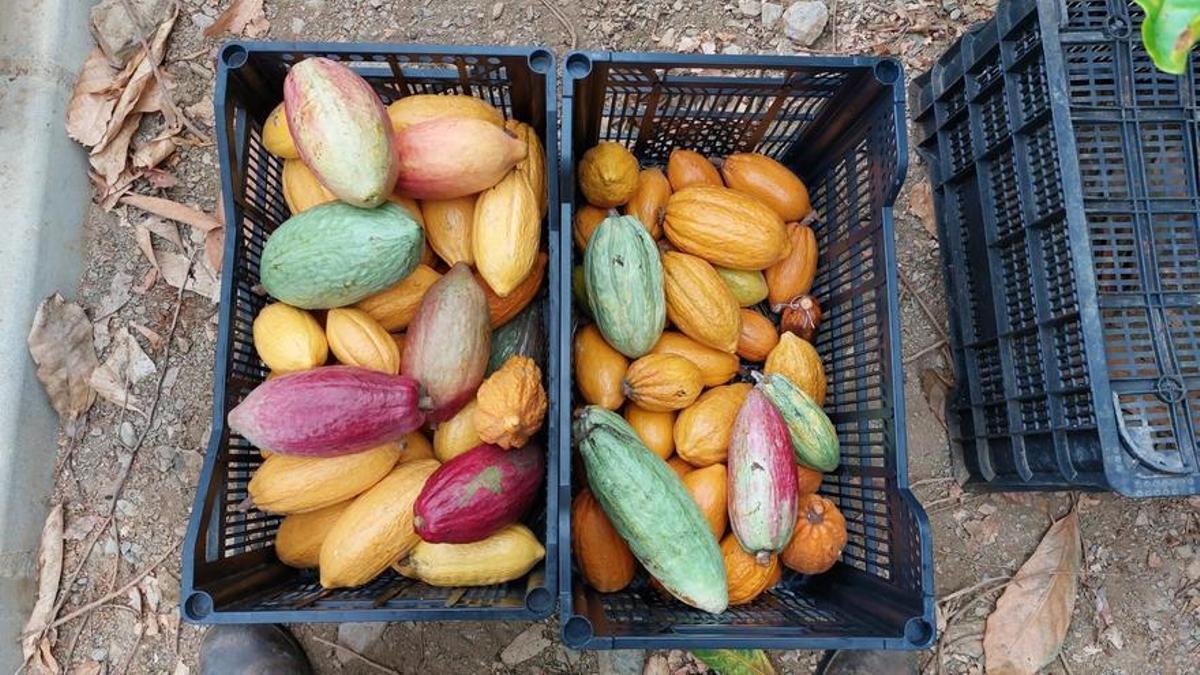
624,283
814,438
651,510
335,254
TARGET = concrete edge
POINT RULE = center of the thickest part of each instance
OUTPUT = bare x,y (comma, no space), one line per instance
43,177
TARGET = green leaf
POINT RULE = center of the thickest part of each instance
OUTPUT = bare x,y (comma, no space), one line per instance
736,661
1170,30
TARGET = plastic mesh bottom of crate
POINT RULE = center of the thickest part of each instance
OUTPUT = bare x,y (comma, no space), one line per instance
642,608
387,591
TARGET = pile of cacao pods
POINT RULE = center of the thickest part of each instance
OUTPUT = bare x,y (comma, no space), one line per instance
406,304
697,321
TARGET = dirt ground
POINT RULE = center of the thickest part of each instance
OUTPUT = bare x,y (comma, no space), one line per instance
1133,612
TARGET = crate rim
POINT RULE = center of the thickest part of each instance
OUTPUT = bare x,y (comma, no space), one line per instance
576,630
196,606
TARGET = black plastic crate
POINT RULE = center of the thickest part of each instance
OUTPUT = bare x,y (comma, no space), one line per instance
1065,176
230,572
839,123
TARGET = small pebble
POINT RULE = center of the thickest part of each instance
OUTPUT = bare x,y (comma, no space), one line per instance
497,10
126,433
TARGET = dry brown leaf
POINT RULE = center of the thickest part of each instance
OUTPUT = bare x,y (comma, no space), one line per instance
107,196
1026,630
152,98
934,387
117,296
200,280
125,366
155,340
214,248
141,234
141,77
152,153
60,342
50,560
88,668
43,661
91,105
161,179
162,228
172,210
148,280
151,598
920,202
110,158
242,17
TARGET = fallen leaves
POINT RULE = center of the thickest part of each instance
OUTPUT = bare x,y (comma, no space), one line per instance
91,106
242,17
35,647
125,366
106,111
1027,628
60,342
171,210
176,267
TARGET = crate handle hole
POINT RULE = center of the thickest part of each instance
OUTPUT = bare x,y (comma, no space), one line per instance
539,600
887,71
918,632
577,631
541,61
234,56
198,606
1118,27
579,65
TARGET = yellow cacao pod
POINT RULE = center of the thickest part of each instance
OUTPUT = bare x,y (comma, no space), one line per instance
726,228
703,429
358,340
376,529
699,303
533,167
506,232
661,382
456,435
799,362
716,366
288,339
301,189
448,226
300,535
608,175
649,201
394,307
418,108
277,136
290,484
506,555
